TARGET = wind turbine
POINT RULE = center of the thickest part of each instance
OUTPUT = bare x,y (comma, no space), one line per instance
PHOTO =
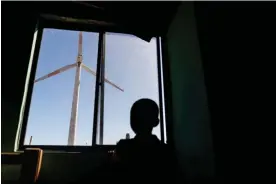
74,111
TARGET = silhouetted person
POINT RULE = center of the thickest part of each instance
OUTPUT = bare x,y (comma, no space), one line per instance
143,118
127,136
144,156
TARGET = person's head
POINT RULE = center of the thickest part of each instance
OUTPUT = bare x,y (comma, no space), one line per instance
144,116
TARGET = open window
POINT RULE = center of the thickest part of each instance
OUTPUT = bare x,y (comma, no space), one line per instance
82,85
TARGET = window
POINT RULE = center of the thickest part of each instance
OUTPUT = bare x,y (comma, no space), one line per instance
100,114
132,64
51,103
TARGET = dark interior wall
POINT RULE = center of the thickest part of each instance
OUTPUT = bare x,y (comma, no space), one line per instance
16,47
237,47
191,128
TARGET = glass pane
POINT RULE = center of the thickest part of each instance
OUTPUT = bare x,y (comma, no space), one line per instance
131,64
51,103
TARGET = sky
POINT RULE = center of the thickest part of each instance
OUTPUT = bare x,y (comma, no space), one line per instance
130,63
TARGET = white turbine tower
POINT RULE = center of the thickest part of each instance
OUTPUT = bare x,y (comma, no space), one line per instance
74,111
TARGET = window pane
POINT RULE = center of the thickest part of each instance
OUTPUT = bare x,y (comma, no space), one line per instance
51,103
131,64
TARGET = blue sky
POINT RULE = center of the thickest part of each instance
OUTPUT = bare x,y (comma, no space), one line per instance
131,63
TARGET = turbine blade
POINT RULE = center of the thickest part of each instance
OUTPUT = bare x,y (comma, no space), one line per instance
88,69
58,71
106,80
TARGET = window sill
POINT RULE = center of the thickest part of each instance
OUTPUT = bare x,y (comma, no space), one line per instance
70,149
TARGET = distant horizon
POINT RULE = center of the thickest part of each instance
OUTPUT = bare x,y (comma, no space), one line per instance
130,62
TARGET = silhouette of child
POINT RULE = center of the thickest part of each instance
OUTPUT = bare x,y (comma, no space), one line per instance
143,158
142,154
143,118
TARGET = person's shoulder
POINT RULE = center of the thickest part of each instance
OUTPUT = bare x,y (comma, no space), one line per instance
124,141
123,147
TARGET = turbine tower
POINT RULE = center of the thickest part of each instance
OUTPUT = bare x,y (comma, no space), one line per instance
74,111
